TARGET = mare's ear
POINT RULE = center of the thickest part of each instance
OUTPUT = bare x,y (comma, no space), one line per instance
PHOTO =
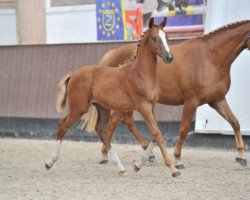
163,23
151,22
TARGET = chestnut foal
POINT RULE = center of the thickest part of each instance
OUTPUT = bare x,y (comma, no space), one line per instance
133,86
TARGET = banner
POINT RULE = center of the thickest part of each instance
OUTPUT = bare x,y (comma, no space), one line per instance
186,18
110,20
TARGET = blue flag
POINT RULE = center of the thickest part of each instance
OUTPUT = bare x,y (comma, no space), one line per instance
110,20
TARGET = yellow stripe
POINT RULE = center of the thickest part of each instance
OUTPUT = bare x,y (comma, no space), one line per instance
124,21
190,10
171,13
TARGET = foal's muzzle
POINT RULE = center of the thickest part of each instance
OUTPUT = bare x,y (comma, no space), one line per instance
168,58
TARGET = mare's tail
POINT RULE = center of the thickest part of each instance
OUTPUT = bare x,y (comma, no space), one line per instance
62,93
89,119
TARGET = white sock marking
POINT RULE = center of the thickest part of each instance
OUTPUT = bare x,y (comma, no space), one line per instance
145,155
56,153
116,159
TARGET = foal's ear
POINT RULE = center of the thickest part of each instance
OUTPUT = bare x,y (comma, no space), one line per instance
163,23
151,22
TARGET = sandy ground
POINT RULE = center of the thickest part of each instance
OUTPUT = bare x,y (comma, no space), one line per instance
209,174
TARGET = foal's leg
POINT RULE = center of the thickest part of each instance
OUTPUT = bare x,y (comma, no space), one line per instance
130,123
146,111
224,110
114,120
187,116
101,129
127,118
63,126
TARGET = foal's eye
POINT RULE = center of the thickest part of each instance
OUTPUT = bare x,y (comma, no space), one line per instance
154,39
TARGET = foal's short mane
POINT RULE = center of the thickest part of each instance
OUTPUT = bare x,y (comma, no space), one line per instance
138,46
228,26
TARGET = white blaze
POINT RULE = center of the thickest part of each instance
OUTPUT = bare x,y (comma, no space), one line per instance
164,41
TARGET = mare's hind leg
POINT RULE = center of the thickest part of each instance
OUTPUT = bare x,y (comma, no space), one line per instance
224,110
63,126
187,116
147,113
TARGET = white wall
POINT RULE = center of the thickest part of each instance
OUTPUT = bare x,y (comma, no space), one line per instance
220,13
71,24
65,24
7,27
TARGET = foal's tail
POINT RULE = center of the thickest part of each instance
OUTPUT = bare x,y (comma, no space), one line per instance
89,119
62,93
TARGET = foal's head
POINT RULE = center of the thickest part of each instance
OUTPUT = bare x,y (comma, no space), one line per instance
158,41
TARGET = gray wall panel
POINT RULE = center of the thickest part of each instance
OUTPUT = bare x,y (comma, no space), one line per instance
29,75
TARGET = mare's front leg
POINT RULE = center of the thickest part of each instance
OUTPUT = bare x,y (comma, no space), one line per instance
187,117
224,110
147,113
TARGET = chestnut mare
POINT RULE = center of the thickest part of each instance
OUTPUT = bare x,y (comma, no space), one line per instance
133,86
200,74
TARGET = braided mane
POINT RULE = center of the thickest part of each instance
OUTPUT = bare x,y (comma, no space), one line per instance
135,51
228,26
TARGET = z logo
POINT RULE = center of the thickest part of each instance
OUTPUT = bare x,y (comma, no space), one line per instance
108,21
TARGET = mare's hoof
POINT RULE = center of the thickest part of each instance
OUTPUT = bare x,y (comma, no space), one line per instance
104,162
175,174
136,169
180,166
151,159
47,167
241,161
122,173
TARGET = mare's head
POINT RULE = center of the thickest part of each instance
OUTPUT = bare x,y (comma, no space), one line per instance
158,41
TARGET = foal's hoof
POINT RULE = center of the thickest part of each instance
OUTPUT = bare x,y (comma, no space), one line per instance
179,166
122,173
175,174
47,167
241,161
136,169
151,159
104,162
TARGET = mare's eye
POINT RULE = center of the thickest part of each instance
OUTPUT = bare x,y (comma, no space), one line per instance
154,39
